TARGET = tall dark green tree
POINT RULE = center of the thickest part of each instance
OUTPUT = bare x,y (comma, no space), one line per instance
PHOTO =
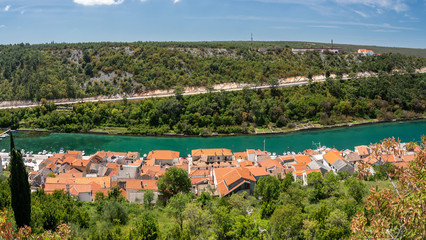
19,187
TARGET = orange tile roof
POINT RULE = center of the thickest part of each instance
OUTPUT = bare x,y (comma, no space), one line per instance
223,190
270,163
136,163
211,152
74,170
409,158
388,157
332,156
51,187
302,159
149,184
257,171
231,175
299,168
261,153
250,151
80,188
150,162
200,179
246,163
70,175
163,155
362,150
104,182
73,152
51,166
80,163
33,173
60,180
152,168
307,171
284,158
402,164
133,184
200,173
242,155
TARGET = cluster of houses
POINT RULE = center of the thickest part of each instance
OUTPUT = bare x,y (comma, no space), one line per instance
218,171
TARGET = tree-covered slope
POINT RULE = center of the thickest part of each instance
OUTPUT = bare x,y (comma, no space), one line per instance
51,71
385,97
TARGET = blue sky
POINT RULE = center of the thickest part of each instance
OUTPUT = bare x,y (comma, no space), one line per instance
399,23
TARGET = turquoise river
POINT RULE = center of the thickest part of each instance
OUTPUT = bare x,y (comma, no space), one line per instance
340,138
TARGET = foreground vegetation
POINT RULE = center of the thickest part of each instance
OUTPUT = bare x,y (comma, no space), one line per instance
50,71
385,97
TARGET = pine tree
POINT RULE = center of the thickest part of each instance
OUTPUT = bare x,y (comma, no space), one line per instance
19,187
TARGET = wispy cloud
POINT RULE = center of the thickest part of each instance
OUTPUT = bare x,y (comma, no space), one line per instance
320,23
362,14
324,26
176,1
396,5
2,26
385,31
98,2
7,8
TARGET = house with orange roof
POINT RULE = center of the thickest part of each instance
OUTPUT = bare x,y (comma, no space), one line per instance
330,157
273,166
233,180
363,151
366,52
242,156
305,174
258,172
245,163
163,157
135,189
80,191
212,155
200,173
302,159
288,159
150,172
82,165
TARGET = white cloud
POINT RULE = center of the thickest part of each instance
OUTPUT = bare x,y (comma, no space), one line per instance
176,1
98,2
396,5
2,26
324,26
7,8
362,14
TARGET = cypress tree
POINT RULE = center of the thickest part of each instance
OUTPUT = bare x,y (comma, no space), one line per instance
19,187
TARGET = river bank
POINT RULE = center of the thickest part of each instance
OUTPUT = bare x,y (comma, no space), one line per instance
313,127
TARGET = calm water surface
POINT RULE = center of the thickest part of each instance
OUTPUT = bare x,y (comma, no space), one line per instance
340,138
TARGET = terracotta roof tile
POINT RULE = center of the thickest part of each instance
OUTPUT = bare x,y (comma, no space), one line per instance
332,156
246,163
302,159
270,163
257,171
211,152
200,173
163,155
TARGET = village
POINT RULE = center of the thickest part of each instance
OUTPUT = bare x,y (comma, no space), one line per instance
220,172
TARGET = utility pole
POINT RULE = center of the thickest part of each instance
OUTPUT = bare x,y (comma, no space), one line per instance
251,43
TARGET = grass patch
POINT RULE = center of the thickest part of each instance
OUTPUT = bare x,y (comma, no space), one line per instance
380,184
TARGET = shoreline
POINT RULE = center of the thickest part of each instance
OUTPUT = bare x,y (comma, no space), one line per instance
294,130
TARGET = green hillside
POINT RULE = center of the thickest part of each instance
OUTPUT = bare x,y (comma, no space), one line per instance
50,71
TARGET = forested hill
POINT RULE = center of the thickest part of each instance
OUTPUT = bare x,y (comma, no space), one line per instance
50,71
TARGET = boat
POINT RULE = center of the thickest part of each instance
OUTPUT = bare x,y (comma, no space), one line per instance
62,150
